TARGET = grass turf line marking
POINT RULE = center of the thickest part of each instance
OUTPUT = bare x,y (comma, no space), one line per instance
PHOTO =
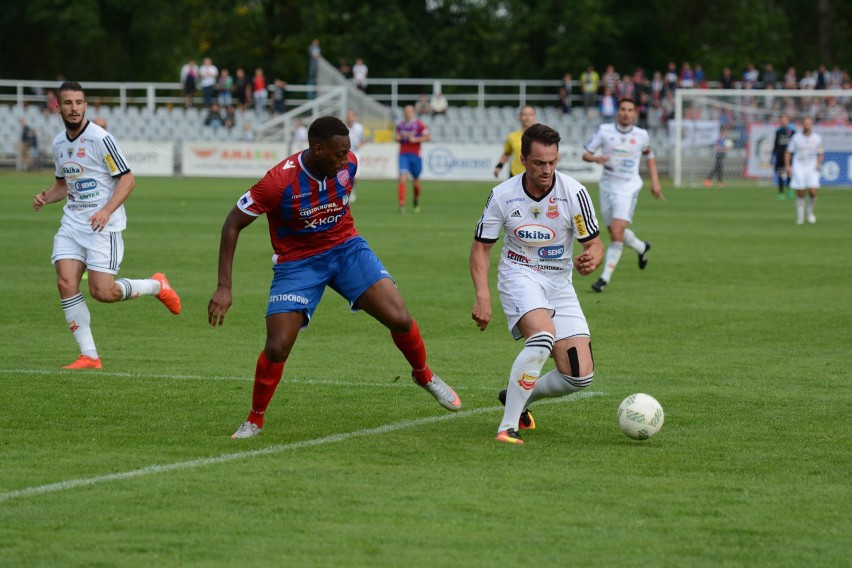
224,458
119,374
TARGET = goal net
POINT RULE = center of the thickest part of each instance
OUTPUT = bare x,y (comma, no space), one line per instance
727,136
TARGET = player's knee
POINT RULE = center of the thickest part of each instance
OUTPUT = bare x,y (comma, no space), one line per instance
277,352
103,293
540,345
579,366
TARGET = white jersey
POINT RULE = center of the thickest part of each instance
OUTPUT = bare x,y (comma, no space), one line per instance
91,164
356,135
805,150
624,150
539,233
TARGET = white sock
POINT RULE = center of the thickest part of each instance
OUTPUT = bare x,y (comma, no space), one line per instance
631,240
800,208
79,320
525,372
613,255
134,288
810,204
555,383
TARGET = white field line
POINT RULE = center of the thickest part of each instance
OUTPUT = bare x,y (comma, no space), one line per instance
277,449
399,382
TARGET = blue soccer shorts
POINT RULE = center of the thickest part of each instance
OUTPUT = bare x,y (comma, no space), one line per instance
411,164
349,269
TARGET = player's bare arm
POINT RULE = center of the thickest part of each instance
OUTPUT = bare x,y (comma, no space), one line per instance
222,297
656,188
591,257
480,263
125,185
589,157
57,191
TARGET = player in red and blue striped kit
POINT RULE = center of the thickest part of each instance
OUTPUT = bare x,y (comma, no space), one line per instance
315,243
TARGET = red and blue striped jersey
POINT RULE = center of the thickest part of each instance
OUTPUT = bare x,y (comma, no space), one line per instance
307,215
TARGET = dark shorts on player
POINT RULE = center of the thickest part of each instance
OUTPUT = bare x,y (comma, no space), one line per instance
411,164
779,162
349,269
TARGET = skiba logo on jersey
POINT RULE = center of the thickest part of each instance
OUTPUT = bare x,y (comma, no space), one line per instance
72,170
535,234
551,252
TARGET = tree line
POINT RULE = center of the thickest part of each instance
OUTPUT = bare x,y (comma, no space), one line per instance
149,40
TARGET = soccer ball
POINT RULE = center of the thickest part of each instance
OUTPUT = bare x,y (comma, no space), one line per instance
729,143
640,416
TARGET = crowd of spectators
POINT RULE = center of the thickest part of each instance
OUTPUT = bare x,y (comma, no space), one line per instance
654,93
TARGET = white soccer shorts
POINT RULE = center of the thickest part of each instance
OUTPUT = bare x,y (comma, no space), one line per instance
101,252
804,178
618,200
522,291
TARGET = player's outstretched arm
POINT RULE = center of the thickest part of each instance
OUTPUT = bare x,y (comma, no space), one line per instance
480,263
656,188
222,297
591,257
56,192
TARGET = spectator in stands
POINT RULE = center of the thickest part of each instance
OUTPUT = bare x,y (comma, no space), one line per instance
422,107
726,81
102,122
751,75
686,78
700,79
314,54
608,106
589,80
657,86
259,92
790,79
29,146
808,81
438,103
189,80
671,76
639,78
241,89
566,102
835,78
51,104
224,88
642,110
359,74
230,117
207,75
214,118
822,77
344,69
768,77
627,88
610,79
278,93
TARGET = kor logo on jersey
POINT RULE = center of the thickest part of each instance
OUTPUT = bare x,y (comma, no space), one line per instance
317,223
535,234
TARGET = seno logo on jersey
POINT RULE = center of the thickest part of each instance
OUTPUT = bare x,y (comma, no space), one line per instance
84,185
535,234
72,170
551,252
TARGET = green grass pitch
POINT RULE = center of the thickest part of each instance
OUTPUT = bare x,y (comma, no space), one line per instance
741,326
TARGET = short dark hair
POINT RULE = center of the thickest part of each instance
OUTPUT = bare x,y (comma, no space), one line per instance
325,128
627,100
70,86
538,133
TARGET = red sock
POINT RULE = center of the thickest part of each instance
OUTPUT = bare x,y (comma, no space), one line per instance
412,346
400,191
267,375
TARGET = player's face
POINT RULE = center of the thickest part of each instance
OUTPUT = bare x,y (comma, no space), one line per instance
540,164
72,107
527,117
333,155
626,114
807,125
409,112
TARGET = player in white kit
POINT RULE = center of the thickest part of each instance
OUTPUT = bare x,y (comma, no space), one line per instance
92,174
622,146
804,158
356,139
540,212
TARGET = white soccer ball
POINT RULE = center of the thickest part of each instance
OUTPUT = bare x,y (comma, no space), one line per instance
640,416
729,143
